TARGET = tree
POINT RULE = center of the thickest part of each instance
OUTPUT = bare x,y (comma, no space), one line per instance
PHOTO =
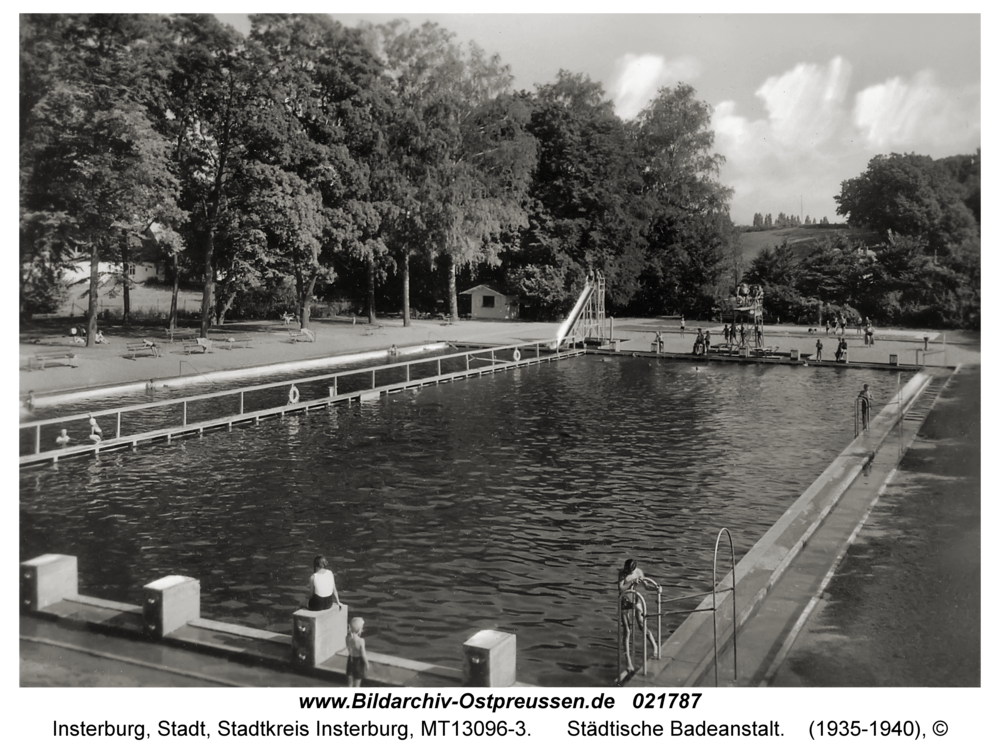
461,152
338,108
690,235
94,169
587,204
908,195
222,113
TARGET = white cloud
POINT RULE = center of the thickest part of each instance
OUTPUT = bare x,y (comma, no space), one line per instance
806,105
790,160
918,114
638,77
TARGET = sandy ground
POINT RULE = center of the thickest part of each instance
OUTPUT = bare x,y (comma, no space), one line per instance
110,364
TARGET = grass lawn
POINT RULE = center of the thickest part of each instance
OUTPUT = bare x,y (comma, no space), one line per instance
801,240
146,301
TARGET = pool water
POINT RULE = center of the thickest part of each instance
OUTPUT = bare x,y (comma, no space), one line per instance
507,501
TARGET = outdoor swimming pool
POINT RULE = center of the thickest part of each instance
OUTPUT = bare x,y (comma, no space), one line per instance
507,501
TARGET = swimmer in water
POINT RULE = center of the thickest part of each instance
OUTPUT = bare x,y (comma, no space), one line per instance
63,438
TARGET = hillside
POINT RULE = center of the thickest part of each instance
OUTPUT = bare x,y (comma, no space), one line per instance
802,240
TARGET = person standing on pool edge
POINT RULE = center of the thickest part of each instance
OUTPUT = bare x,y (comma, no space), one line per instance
322,587
357,659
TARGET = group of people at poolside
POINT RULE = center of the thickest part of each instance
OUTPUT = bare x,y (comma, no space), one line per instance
731,334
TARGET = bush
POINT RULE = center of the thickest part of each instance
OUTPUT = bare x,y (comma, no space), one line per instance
43,295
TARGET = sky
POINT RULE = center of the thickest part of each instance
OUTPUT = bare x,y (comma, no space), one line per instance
800,102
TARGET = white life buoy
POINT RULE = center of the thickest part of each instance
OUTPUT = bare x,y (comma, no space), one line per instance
293,394
517,355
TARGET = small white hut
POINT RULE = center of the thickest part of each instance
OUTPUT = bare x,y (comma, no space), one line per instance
489,304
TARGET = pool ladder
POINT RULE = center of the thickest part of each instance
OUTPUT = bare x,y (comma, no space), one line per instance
640,615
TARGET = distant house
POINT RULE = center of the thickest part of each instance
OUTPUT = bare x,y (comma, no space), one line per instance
487,303
139,272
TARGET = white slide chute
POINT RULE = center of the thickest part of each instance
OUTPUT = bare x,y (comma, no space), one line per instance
574,315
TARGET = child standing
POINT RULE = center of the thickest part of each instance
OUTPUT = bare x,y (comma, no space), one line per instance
357,661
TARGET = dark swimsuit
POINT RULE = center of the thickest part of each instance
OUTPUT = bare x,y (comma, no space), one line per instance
356,667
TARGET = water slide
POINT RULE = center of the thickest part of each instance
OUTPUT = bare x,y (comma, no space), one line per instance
574,314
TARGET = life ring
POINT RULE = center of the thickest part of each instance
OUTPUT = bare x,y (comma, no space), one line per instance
517,355
293,394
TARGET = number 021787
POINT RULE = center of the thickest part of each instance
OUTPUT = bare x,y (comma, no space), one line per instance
665,700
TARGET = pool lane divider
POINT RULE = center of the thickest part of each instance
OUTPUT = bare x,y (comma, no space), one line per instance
687,656
74,395
131,441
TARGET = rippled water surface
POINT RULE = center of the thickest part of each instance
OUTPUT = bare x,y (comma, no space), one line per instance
506,502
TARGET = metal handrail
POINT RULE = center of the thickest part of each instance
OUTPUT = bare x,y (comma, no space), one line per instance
859,421
715,583
637,599
716,590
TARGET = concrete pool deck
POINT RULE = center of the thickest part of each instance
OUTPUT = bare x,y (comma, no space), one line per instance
105,368
108,365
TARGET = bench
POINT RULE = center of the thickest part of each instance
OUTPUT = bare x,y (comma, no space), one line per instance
199,346
135,347
180,332
39,361
232,342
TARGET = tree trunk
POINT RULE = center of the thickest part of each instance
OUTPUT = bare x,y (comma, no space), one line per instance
95,259
126,281
305,299
208,292
452,289
372,318
224,306
406,287
175,291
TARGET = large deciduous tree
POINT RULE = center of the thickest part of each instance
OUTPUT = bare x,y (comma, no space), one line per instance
95,171
909,195
690,235
587,209
331,86
462,154
222,111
